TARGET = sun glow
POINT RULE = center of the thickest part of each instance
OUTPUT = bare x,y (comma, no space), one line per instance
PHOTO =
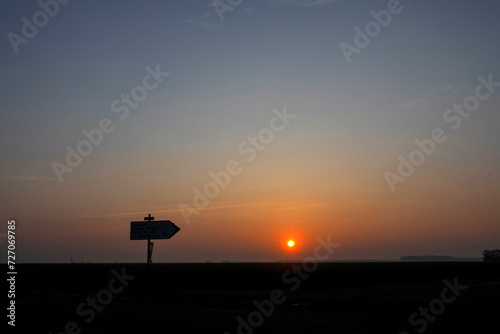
291,243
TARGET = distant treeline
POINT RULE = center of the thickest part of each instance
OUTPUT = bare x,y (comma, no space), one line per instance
491,255
438,258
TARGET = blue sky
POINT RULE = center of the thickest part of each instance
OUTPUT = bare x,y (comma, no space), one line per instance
225,77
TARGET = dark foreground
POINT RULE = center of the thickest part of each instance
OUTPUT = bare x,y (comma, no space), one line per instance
258,298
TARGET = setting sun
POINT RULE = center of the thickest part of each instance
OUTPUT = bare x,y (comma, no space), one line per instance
291,243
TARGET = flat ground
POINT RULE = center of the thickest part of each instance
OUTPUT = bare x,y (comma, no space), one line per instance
210,297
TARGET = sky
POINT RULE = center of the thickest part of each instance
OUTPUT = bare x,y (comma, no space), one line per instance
373,124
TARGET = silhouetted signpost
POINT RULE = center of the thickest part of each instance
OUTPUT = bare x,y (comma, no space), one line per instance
149,229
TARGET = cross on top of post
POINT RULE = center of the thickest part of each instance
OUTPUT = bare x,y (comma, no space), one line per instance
149,218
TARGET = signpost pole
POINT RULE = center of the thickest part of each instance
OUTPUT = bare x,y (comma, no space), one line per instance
149,218
149,254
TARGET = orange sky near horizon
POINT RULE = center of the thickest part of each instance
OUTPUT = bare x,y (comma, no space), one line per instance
254,217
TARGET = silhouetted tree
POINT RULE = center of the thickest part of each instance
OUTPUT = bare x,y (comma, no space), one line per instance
491,255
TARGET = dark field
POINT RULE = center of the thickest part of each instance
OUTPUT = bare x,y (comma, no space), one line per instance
209,298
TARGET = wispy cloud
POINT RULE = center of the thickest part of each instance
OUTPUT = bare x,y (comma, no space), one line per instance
29,178
206,20
254,207
415,103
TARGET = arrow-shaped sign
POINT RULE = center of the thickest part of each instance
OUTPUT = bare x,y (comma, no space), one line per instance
160,229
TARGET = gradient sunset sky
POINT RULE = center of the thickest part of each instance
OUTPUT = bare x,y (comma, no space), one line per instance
321,175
